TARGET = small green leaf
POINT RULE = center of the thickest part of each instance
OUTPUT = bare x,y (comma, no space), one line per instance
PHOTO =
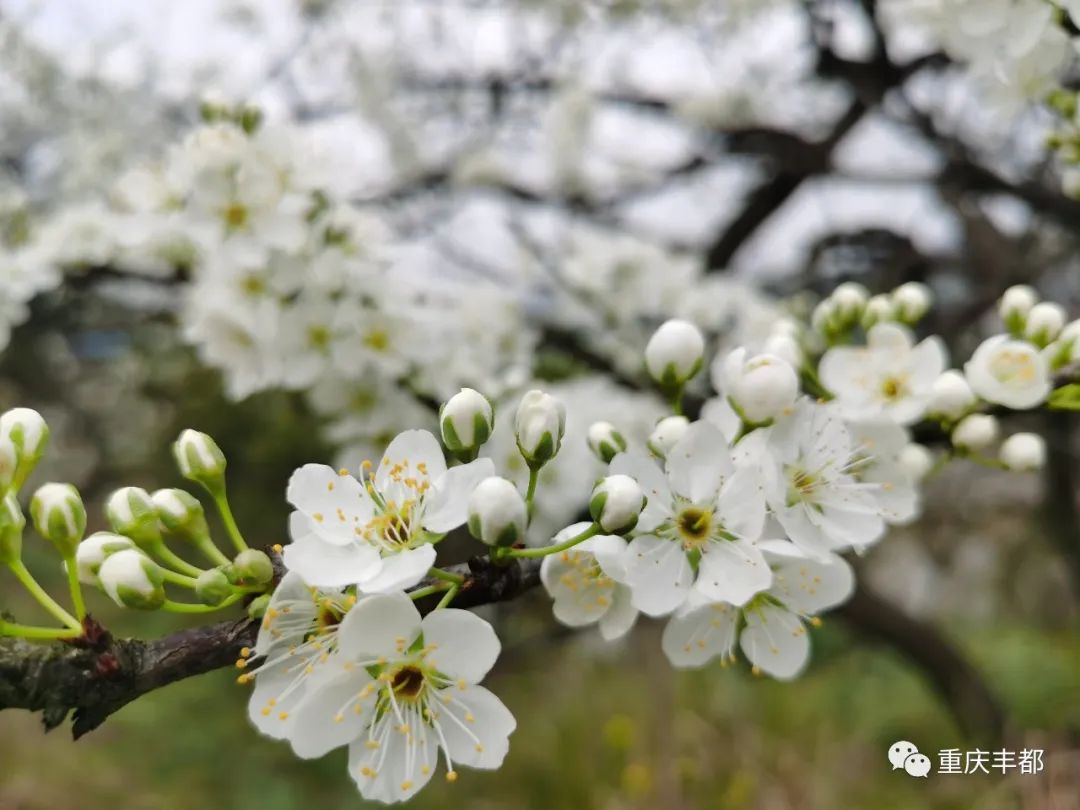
1066,398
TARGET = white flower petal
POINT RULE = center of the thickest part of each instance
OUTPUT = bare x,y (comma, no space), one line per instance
335,504
658,573
446,507
402,570
327,718
393,779
412,452
383,625
775,640
620,617
479,733
808,585
331,566
463,646
694,638
732,571
699,463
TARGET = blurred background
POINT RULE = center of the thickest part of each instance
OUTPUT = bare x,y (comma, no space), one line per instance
543,182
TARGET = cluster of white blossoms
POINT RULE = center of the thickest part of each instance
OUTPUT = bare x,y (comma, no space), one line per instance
732,520
1018,49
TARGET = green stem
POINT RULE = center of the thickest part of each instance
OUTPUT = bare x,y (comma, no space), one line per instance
178,579
530,490
420,593
46,601
534,553
186,607
676,400
447,576
446,600
75,587
222,501
37,633
169,557
206,546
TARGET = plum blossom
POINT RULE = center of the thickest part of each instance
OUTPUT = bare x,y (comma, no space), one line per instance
376,532
813,484
770,629
699,528
404,690
1009,372
588,583
891,376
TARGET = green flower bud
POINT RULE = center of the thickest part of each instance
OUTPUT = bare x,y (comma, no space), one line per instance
9,463
181,513
252,567
94,550
213,587
497,513
131,512
605,441
12,524
257,607
539,425
59,516
466,421
616,504
132,580
26,429
200,459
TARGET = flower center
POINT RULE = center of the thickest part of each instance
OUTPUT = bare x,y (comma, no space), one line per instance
1013,368
694,525
408,682
235,216
802,485
892,387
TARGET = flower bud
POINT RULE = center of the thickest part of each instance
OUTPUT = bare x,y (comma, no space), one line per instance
1044,322
256,608
912,300
466,421
616,503
497,513
9,463
200,459
879,309
762,388
675,353
849,299
252,567
132,580
605,441
666,434
786,347
26,429
12,524
1071,332
213,587
94,550
975,432
59,516
950,395
539,426
131,512
916,460
1023,451
821,319
181,513
1015,304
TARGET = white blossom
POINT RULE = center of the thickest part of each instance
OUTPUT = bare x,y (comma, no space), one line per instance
376,533
1008,372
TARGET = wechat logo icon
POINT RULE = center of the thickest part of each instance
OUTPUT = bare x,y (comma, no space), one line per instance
906,755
